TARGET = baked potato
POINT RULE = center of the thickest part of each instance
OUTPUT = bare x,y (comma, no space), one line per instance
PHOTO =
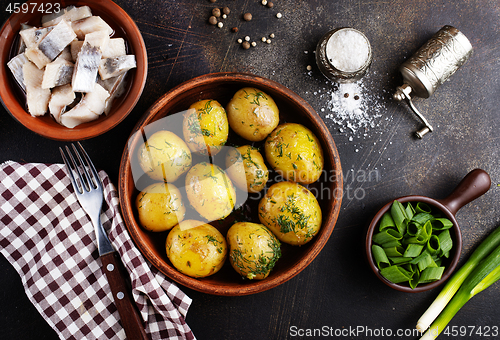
210,191
252,114
159,207
205,127
164,156
291,212
196,249
253,250
246,168
295,153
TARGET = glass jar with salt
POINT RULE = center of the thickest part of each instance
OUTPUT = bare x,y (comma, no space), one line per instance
344,55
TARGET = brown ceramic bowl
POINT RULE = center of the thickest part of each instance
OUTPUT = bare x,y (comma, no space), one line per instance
13,98
475,184
221,87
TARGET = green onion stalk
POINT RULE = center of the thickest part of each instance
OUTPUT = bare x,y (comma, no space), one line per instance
480,271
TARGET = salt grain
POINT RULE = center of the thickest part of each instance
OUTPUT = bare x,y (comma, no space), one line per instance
347,50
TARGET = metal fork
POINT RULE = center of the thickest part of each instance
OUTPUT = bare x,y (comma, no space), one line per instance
89,191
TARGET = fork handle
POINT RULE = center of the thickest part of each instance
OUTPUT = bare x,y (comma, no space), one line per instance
129,314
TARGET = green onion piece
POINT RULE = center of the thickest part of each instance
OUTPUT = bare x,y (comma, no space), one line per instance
446,243
481,277
394,251
453,284
398,213
410,211
422,208
411,269
393,243
414,240
433,244
397,260
441,223
386,221
413,250
380,257
423,261
395,274
421,218
414,280
386,236
425,232
413,228
431,274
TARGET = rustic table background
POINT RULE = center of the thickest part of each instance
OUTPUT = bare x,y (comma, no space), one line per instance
337,290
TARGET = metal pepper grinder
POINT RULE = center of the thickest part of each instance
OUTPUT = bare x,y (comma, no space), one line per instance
431,66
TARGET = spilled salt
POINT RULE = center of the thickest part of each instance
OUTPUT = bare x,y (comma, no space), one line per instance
352,106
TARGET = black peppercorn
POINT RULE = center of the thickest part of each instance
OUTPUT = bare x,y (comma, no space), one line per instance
226,10
247,16
245,45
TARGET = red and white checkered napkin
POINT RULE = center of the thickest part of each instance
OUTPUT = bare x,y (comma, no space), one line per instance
50,241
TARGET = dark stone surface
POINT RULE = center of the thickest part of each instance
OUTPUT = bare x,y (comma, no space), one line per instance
337,291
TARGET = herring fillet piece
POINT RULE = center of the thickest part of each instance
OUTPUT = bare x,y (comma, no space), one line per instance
51,45
52,19
98,39
95,100
57,39
32,36
65,55
61,97
116,48
57,73
89,25
113,67
115,86
21,46
16,67
90,107
76,46
36,97
86,68
70,13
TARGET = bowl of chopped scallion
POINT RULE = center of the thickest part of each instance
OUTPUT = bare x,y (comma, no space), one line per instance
414,243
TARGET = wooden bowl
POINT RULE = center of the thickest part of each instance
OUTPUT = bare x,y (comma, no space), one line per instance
221,87
13,99
475,184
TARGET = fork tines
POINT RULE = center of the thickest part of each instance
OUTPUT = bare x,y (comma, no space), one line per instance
86,174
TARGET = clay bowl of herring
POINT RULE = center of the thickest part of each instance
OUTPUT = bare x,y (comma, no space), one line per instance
413,243
71,70
247,177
